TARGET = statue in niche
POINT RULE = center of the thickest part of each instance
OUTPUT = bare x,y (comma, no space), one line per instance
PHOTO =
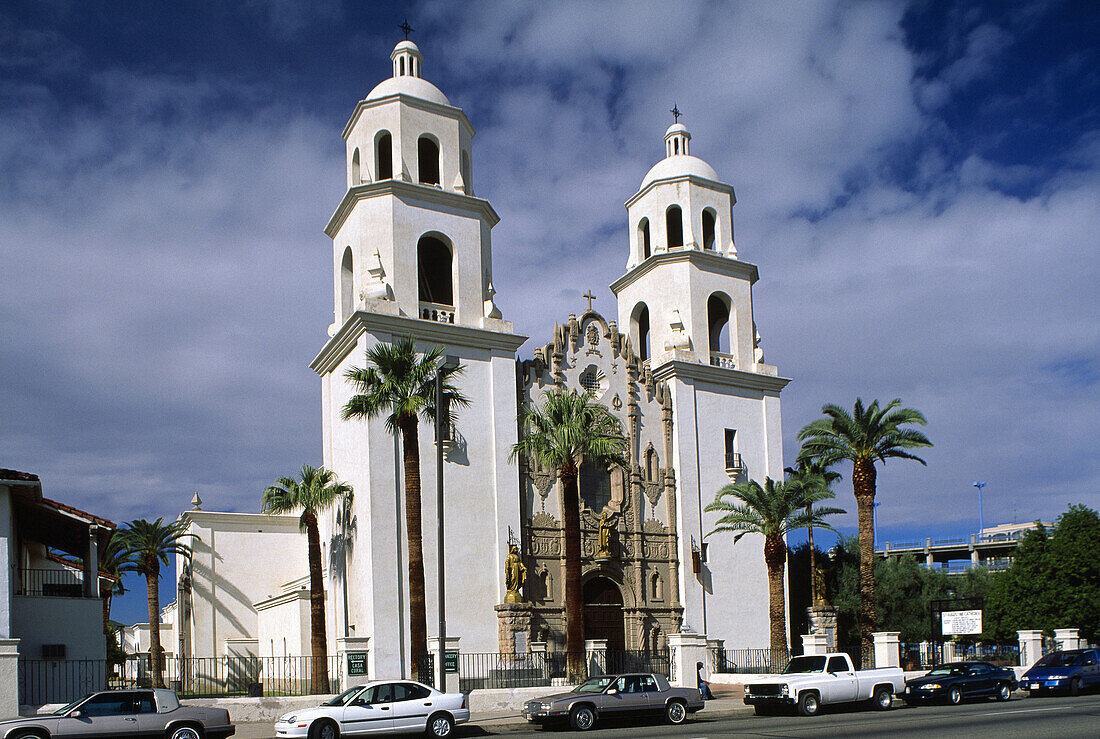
820,598
603,549
515,573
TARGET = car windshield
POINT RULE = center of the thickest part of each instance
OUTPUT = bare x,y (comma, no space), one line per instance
594,685
65,709
942,670
799,665
1062,659
343,698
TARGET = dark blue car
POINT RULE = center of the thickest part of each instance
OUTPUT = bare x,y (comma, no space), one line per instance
952,683
1072,671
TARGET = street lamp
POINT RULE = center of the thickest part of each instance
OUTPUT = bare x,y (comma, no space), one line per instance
981,524
447,364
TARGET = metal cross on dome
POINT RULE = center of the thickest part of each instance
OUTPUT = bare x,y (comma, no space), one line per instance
675,113
406,28
590,297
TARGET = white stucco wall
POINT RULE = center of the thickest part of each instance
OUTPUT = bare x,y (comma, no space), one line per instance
7,562
75,622
283,628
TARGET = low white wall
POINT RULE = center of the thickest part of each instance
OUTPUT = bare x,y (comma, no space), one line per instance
75,622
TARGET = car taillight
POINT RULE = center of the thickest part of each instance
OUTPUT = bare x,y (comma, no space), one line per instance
465,696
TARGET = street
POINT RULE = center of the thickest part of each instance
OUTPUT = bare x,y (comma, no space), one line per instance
1028,717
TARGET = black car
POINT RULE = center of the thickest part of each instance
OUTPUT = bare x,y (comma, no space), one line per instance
956,681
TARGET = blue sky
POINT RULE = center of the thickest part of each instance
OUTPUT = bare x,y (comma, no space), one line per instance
918,182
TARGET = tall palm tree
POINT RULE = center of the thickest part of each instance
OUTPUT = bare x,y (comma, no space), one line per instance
399,382
567,431
773,511
815,474
113,561
149,544
863,437
316,490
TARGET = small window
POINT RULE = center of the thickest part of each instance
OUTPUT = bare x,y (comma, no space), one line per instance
53,651
434,271
590,380
409,692
384,157
643,333
427,152
708,229
401,66
119,703
674,226
643,236
356,176
144,703
837,664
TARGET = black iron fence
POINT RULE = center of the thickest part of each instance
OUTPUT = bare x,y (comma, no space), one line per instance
46,582
61,681
747,661
538,669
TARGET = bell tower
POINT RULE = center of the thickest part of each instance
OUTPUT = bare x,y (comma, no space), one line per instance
410,238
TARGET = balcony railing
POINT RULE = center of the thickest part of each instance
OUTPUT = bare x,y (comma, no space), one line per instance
437,312
734,465
50,583
718,359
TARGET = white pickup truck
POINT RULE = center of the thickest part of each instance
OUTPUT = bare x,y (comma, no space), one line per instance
813,681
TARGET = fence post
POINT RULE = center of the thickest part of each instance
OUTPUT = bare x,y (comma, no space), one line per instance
686,650
538,658
446,680
595,653
715,647
1066,639
815,644
887,649
1031,647
9,678
353,654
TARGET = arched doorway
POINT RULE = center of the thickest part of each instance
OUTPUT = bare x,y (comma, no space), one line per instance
603,612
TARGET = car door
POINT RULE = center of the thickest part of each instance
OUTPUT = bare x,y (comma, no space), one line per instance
371,712
839,683
979,680
411,705
149,722
654,700
109,714
1090,668
628,696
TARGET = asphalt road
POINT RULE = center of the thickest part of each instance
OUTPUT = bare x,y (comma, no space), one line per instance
1028,717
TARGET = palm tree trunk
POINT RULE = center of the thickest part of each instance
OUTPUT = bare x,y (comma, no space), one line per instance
152,580
317,641
863,485
574,607
813,560
418,619
775,558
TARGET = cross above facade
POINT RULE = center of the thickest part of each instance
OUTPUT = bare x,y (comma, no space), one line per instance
406,28
590,297
675,113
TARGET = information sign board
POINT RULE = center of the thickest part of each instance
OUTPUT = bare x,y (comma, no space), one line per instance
957,623
357,663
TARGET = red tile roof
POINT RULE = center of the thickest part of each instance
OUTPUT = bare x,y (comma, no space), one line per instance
17,475
77,512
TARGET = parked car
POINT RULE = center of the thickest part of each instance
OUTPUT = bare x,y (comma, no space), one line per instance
1073,670
124,713
812,681
958,680
379,707
609,696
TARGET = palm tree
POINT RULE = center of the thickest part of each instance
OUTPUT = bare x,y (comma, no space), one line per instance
400,382
864,437
113,561
773,511
567,431
316,490
148,545
812,473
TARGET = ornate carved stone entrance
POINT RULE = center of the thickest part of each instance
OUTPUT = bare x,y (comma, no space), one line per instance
603,612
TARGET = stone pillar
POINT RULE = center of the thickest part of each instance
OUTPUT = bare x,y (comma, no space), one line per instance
9,678
513,628
973,550
450,679
595,653
686,651
823,621
1031,647
929,562
1067,639
715,647
949,653
887,649
353,654
814,644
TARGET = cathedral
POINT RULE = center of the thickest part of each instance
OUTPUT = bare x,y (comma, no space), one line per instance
680,365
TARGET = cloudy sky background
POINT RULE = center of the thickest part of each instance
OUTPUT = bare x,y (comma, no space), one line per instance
919,184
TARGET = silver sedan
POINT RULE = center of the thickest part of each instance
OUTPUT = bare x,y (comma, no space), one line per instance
609,696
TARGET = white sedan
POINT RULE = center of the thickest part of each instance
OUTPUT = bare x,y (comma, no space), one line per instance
379,707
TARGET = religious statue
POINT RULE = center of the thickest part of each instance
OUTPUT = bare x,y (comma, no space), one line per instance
820,598
515,573
603,550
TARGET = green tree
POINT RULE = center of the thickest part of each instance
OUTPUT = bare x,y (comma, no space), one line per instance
399,382
315,491
113,561
773,511
568,430
812,473
149,544
864,437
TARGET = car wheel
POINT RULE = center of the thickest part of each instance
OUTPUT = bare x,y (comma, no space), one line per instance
1004,692
1075,686
324,730
676,712
32,734
185,732
808,704
954,696
440,725
882,699
582,718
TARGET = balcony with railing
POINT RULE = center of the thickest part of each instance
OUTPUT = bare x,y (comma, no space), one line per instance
718,359
55,583
437,312
734,465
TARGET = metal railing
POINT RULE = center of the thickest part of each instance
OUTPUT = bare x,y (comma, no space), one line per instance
747,661
61,681
50,583
537,669
1008,654
733,462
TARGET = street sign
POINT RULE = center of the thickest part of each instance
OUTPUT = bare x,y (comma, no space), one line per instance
956,623
357,663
